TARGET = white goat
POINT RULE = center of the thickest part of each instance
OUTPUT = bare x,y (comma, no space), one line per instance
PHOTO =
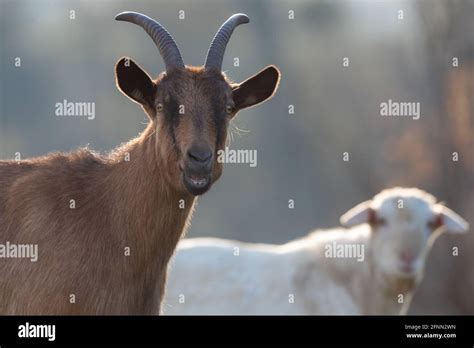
371,268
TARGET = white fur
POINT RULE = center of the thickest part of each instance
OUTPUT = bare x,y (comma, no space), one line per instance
213,276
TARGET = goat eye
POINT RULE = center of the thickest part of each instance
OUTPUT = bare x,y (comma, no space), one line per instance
159,107
229,109
431,225
378,221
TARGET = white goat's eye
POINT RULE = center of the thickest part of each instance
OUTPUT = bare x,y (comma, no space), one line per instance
378,221
159,107
229,109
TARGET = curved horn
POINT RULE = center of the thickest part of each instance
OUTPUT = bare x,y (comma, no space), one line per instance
215,54
160,36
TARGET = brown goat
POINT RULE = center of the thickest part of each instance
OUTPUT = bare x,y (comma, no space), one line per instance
106,226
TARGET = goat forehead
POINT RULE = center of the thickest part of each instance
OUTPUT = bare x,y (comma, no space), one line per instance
197,96
406,209
195,83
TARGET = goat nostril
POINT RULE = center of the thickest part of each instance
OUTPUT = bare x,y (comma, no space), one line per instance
202,156
407,257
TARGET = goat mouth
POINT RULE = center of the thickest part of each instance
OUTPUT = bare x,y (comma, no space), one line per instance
405,273
196,184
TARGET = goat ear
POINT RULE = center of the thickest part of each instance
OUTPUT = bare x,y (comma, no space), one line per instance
134,82
448,219
360,214
257,88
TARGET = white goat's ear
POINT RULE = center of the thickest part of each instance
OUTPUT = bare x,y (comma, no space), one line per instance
450,220
360,214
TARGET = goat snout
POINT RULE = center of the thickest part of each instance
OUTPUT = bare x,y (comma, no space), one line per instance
198,169
200,155
407,260
407,257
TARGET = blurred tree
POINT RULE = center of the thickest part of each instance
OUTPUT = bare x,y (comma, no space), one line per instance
450,69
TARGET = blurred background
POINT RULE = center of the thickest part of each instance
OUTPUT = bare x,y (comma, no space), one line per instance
399,50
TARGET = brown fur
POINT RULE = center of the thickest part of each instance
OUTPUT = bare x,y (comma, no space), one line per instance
81,251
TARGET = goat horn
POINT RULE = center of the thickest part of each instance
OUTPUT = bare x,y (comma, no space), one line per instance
160,36
215,54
